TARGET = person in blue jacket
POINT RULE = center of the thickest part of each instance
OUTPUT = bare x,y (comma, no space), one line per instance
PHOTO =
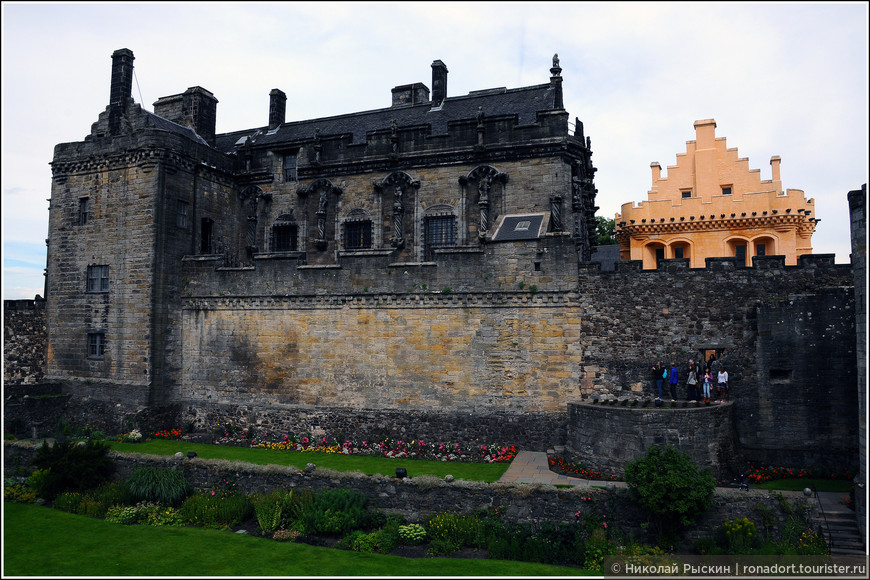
675,377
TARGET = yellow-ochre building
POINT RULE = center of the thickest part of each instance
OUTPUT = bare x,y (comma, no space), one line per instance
712,205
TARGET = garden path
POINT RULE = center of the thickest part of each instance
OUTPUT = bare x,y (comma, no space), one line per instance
532,467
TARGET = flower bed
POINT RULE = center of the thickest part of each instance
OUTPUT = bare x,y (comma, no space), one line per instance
575,468
229,434
761,474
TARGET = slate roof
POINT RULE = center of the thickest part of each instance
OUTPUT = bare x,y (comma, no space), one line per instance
523,102
166,125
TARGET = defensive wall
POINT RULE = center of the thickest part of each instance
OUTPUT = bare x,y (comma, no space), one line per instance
459,350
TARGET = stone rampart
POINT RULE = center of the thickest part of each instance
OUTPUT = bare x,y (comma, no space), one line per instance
605,437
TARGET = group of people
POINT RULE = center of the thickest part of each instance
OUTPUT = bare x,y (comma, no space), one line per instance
699,383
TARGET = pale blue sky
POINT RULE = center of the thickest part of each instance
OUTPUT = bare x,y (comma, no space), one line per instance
787,79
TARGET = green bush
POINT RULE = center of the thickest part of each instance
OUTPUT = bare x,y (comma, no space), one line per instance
70,466
670,487
740,535
68,501
273,510
215,511
335,512
164,486
412,534
122,514
19,492
456,529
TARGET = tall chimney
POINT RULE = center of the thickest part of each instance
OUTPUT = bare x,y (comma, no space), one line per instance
439,82
277,108
122,78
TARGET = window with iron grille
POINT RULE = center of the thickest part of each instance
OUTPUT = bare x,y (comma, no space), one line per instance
440,233
98,279
358,235
284,238
96,344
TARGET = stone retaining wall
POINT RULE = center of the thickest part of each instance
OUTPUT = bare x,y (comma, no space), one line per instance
416,497
606,437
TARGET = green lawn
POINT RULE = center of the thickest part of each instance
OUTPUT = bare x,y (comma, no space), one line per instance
835,485
367,464
41,542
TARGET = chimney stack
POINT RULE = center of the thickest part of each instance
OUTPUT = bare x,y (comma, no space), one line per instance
439,82
122,78
277,108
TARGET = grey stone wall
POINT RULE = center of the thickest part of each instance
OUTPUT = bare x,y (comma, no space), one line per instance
606,437
23,341
417,497
784,334
858,218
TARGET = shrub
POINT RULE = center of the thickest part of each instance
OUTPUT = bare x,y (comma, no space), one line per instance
335,512
19,492
68,501
740,535
206,510
670,487
273,510
122,514
412,534
71,466
165,486
456,529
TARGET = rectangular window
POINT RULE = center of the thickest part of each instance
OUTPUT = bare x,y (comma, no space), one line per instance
358,235
759,250
290,168
98,278
284,238
726,190
181,216
205,236
678,253
440,233
686,194
740,253
84,211
96,344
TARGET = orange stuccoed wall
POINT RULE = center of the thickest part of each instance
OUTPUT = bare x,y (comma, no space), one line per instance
711,205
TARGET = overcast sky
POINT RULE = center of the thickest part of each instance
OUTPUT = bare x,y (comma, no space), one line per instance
787,79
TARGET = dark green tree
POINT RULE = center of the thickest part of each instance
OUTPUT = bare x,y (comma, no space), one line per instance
671,488
605,231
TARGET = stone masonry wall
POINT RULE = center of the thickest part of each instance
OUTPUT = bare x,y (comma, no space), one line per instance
23,341
416,497
784,334
705,433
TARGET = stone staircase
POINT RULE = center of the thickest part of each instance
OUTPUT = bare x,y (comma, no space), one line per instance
840,526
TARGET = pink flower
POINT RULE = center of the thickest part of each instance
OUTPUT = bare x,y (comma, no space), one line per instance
605,525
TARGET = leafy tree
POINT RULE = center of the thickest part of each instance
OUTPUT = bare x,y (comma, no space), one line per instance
605,231
670,487
70,466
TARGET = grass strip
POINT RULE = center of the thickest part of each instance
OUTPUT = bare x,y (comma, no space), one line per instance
42,542
366,464
833,485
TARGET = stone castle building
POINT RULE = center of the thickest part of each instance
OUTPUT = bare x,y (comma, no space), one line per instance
421,270
711,205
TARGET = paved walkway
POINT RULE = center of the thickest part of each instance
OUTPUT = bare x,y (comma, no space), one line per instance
532,467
